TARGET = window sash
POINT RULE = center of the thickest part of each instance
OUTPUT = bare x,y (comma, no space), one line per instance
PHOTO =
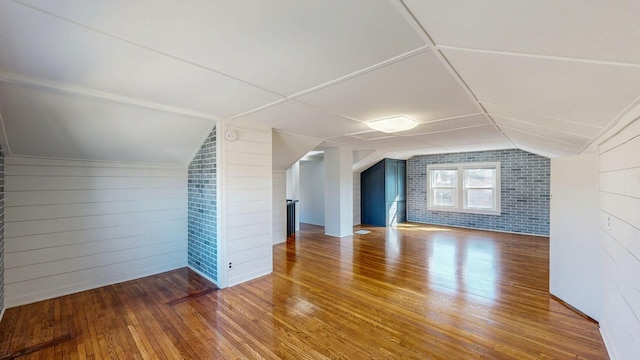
465,197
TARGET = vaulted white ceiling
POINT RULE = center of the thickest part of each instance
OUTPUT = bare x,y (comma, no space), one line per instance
144,81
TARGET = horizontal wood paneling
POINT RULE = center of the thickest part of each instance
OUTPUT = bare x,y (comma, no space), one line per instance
49,240
622,182
34,227
38,183
611,159
53,197
248,177
73,225
620,224
356,199
40,212
246,243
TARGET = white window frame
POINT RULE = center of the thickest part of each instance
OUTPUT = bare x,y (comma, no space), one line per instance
461,190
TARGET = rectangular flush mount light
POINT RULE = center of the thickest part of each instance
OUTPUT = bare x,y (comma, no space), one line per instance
394,124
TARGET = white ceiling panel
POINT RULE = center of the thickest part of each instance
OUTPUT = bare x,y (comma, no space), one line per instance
446,125
53,124
541,145
370,135
589,93
41,46
499,145
301,119
540,120
419,87
284,46
393,143
474,135
542,131
588,29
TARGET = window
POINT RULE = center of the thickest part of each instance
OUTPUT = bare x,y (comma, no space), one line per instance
471,188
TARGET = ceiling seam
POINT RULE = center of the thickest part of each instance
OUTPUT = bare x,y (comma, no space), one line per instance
542,137
615,121
15,79
542,57
540,126
146,47
542,115
366,70
404,9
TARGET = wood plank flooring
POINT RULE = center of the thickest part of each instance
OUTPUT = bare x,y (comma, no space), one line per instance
413,292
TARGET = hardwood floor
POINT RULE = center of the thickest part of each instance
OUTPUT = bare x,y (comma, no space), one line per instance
418,291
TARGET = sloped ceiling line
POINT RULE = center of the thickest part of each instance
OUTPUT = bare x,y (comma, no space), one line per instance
16,79
165,54
538,56
406,12
334,82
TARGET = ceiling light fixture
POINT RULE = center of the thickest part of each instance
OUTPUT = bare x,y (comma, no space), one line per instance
393,124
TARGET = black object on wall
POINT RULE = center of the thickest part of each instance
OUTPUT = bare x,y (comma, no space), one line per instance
384,193
291,217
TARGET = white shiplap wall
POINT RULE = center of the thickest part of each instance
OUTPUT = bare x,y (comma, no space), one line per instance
279,207
356,199
248,220
76,225
620,226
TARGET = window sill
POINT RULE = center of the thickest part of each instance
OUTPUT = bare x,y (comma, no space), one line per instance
467,211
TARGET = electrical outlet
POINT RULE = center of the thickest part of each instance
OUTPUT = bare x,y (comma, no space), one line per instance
230,265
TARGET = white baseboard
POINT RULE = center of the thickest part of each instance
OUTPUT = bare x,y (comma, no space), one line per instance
608,344
75,288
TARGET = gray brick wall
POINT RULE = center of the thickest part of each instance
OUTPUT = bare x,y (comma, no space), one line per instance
1,230
525,181
202,219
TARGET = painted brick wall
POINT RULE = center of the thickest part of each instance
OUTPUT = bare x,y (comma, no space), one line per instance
525,181
1,233
202,232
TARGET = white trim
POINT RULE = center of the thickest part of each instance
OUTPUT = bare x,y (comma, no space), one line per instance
221,206
538,56
404,10
93,284
2,313
460,193
9,159
608,344
20,80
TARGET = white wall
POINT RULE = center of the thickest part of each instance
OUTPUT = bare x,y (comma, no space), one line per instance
338,191
247,215
356,199
292,188
575,255
311,203
279,233
77,225
620,230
